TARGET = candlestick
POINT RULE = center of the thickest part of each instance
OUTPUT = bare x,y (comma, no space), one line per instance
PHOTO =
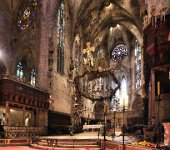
123,102
105,108
158,88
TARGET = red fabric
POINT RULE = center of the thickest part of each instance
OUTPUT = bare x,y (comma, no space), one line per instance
16,148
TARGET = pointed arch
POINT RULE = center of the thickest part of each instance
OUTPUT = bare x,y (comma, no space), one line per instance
25,68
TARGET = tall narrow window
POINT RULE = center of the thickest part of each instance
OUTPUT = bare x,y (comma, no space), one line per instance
120,98
33,77
60,38
137,65
77,53
19,72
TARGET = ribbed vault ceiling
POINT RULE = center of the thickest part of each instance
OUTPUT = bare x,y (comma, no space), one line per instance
94,19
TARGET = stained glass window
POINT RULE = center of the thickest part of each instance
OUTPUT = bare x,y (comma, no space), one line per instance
115,102
137,65
120,98
100,53
33,77
77,53
26,14
60,38
20,72
119,52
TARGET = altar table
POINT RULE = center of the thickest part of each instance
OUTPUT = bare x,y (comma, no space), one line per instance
92,127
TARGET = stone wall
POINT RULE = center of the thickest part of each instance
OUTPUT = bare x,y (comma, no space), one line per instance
34,42
5,34
60,87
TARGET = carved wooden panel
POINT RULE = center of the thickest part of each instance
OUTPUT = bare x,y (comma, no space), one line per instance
156,47
19,93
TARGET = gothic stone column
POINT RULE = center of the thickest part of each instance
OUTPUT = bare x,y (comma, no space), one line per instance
42,80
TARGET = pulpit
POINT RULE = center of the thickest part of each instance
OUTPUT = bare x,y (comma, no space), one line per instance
167,133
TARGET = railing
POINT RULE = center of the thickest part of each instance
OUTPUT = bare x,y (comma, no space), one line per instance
23,132
68,143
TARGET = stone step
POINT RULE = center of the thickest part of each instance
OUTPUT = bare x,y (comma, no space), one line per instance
59,148
65,144
77,146
77,143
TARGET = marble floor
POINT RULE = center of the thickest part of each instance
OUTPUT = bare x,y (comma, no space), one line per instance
94,135
85,135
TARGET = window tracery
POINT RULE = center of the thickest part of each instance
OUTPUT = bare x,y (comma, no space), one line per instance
77,53
100,53
137,65
60,37
119,52
26,14
33,77
20,72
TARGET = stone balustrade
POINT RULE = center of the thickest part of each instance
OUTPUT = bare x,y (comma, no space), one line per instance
23,132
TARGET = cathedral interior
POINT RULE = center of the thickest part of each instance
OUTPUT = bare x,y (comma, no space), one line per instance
70,64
